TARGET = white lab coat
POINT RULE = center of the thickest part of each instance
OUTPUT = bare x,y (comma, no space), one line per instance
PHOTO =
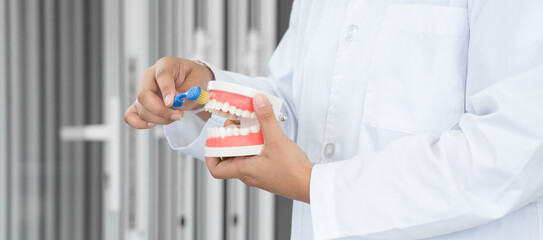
425,118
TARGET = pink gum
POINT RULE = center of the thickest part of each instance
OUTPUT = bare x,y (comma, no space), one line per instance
236,100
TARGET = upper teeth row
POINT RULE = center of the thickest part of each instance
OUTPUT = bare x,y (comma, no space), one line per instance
225,107
231,131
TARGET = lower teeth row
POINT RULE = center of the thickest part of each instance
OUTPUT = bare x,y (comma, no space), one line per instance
231,131
217,107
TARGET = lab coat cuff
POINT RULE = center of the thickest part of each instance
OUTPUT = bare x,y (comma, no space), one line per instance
321,193
220,75
190,133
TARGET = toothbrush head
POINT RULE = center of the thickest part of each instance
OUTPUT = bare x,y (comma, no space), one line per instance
197,95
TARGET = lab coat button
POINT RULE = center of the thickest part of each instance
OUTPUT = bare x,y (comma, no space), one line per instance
329,150
350,33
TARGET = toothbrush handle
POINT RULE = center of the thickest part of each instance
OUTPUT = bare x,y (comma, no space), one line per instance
179,100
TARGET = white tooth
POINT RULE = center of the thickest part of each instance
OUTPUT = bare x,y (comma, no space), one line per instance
232,110
228,131
211,104
244,131
254,129
218,106
209,132
253,115
238,112
225,107
222,132
235,131
245,114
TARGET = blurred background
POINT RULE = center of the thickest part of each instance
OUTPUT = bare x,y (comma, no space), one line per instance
70,168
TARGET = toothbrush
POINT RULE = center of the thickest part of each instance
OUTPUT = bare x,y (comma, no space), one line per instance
194,94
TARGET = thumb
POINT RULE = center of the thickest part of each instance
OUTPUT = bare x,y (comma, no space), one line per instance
266,117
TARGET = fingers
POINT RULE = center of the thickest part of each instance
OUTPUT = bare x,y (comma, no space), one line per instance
151,102
222,169
166,84
133,119
148,95
148,80
167,72
150,117
266,117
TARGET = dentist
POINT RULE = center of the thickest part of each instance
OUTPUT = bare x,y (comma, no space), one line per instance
407,119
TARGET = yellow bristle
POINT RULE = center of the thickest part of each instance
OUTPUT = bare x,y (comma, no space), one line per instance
202,99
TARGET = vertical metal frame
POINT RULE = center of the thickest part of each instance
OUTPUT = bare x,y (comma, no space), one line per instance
238,18
50,137
236,212
32,93
93,114
137,194
267,13
163,189
186,192
4,113
77,109
66,149
215,18
112,166
184,26
16,131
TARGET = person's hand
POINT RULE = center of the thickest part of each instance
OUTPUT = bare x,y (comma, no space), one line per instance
282,167
160,83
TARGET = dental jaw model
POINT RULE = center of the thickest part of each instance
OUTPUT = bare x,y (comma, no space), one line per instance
235,102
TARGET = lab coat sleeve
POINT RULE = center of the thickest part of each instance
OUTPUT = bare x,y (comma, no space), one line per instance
189,134
491,165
